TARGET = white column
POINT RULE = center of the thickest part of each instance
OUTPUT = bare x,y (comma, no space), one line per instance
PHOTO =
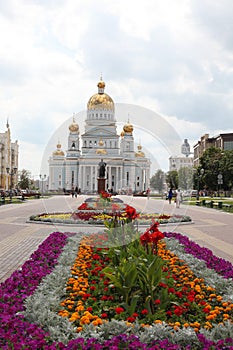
84,177
110,177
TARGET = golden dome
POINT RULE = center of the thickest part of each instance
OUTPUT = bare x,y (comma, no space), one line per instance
122,133
100,100
128,128
58,151
139,153
101,143
74,126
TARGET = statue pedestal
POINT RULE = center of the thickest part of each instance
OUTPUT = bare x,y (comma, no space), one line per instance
101,184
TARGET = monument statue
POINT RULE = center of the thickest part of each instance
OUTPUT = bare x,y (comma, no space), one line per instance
102,168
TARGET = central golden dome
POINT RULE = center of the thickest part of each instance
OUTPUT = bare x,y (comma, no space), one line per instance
100,100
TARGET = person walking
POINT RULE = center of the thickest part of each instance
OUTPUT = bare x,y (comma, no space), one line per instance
170,196
178,198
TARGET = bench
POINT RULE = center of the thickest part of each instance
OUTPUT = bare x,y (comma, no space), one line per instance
227,206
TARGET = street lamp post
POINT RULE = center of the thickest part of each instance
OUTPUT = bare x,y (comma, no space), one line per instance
42,180
198,182
11,172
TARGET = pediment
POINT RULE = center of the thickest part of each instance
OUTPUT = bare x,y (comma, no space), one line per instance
99,132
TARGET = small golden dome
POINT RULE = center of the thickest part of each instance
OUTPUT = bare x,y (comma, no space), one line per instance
122,133
101,143
139,153
101,151
128,128
58,151
74,126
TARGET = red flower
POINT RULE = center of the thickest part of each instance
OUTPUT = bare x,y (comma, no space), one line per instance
145,238
178,311
83,206
131,212
104,315
119,310
206,310
86,296
135,314
145,312
89,309
157,302
171,290
156,236
130,319
92,288
179,294
104,298
161,284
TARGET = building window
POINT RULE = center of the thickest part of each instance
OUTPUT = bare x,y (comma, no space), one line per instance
228,145
127,178
72,178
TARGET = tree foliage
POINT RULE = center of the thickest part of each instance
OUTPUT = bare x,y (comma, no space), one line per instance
25,180
185,176
157,180
172,179
214,162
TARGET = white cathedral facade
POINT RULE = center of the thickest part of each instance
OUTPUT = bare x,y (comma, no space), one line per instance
126,169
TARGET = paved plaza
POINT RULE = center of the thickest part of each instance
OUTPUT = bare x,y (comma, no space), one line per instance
19,238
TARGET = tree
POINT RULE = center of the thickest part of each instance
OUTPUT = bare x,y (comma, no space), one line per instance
25,180
185,177
157,180
227,169
211,162
172,179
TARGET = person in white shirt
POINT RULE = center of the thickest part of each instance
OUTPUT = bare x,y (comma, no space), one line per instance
178,198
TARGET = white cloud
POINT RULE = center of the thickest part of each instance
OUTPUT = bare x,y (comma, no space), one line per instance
171,56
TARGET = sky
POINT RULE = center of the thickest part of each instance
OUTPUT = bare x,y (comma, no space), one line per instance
170,60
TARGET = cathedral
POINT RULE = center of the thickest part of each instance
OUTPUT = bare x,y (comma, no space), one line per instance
127,170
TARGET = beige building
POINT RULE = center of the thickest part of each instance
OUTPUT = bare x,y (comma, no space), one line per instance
185,160
222,141
9,152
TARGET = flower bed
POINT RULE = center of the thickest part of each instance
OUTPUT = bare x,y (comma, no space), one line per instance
198,311
86,214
